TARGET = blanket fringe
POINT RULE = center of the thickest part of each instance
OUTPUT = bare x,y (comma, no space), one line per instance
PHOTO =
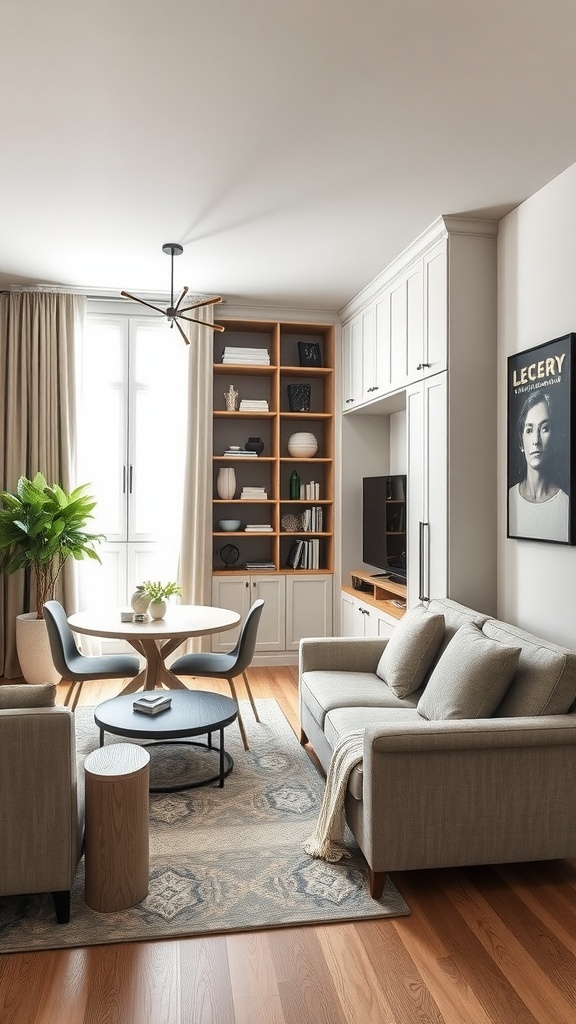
327,840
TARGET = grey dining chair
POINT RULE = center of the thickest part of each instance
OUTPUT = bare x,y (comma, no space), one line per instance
75,667
227,666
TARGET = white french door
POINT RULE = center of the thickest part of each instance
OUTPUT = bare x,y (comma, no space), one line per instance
131,431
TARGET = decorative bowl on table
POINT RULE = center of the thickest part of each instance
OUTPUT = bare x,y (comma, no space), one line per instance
229,525
302,445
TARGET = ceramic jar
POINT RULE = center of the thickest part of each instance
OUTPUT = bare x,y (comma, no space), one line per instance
226,484
139,602
302,446
157,609
255,444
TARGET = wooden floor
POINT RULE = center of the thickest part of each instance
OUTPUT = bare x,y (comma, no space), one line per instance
492,945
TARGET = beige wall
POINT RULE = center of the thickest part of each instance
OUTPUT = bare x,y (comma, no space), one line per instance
537,302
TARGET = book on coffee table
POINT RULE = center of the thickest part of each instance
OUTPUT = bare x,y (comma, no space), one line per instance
152,705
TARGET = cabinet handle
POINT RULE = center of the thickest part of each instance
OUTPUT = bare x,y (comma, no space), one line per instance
422,587
348,400
130,481
247,584
375,387
123,479
423,366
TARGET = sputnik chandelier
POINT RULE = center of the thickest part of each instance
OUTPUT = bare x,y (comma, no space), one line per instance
177,312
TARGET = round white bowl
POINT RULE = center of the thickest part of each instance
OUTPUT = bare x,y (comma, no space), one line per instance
230,525
302,445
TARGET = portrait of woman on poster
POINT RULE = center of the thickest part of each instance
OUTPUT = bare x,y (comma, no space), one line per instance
538,508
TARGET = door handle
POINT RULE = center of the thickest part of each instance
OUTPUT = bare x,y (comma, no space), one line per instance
422,574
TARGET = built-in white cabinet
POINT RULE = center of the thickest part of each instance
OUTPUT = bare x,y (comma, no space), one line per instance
435,418
295,606
360,619
238,591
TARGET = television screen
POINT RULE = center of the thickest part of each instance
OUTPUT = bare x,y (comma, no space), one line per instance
384,523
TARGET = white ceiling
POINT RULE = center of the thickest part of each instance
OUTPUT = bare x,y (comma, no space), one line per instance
293,147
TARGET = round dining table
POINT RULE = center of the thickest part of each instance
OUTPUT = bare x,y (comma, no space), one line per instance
155,639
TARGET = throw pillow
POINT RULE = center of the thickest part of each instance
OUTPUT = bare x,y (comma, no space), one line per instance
411,650
545,683
27,695
470,678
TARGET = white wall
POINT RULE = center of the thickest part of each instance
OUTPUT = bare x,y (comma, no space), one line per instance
537,302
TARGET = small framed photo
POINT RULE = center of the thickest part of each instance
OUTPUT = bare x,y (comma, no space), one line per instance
541,449
309,353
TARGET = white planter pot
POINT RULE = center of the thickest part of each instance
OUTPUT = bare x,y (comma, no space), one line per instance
33,648
157,609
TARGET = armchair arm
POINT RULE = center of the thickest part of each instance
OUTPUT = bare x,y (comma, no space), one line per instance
41,833
341,654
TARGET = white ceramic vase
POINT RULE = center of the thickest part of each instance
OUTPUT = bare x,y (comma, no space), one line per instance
302,446
33,649
139,602
226,484
157,609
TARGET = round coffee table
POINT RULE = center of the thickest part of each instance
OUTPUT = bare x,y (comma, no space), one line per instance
192,713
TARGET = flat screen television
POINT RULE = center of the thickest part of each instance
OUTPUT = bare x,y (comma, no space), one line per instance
384,524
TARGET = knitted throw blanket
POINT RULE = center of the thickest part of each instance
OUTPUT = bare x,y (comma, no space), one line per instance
326,841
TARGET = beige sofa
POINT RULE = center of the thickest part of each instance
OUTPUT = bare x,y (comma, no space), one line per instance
41,808
486,777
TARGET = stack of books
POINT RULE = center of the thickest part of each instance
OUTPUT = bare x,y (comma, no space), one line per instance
152,704
310,492
312,519
246,356
254,494
258,528
304,554
253,405
234,452
260,566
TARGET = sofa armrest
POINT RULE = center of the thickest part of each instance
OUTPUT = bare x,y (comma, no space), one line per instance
341,654
41,831
481,791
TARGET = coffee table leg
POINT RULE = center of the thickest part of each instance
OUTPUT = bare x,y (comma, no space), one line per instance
221,783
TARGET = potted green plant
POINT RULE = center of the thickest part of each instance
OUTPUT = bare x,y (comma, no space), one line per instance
157,593
41,526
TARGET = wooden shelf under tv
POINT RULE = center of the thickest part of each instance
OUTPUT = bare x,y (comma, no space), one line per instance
380,593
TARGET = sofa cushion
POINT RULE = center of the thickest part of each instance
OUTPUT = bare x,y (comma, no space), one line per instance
27,695
341,721
411,650
455,615
471,677
545,681
322,691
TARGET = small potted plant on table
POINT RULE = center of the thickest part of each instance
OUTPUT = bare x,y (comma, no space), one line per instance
158,593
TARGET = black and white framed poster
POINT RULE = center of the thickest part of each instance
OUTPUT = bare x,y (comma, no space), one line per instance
540,442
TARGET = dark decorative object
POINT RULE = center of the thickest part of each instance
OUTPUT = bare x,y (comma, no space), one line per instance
229,554
295,486
541,449
299,397
309,353
255,444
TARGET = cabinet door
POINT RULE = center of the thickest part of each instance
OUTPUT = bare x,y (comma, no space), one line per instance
382,347
415,322
308,608
436,309
352,623
427,505
398,335
368,343
272,628
352,363
376,624
230,592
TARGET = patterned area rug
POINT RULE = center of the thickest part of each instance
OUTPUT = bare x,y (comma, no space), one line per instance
221,860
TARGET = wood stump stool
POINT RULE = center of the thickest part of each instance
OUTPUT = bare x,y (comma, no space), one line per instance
117,816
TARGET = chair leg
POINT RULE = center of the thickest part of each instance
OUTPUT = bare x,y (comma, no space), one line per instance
77,694
240,722
250,697
69,693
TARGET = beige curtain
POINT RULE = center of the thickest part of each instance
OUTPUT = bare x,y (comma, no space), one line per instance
37,394
196,546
